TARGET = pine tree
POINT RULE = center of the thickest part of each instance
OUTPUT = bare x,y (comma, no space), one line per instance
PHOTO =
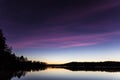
3,46
2,42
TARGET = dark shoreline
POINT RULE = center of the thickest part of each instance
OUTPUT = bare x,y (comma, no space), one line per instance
107,66
21,69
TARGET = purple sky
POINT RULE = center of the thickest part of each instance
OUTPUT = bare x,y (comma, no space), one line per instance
62,30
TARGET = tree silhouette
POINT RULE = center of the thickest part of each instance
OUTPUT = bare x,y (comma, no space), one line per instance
3,46
2,42
12,65
10,60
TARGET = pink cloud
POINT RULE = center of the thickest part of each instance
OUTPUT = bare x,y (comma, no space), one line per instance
78,45
64,41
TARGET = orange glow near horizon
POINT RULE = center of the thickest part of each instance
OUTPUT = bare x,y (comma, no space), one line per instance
65,61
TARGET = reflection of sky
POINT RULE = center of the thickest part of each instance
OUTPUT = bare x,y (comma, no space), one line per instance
62,31
61,74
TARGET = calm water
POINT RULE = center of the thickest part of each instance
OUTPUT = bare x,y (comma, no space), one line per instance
63,74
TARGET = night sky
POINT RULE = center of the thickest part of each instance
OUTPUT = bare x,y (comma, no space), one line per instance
59,31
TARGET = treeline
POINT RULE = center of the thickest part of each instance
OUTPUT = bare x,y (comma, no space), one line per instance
10,60
108,66
94,64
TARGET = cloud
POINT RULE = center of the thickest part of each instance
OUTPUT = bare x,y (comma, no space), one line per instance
65,41
76,13
64,28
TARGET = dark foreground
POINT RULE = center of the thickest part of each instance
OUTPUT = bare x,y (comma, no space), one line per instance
20,70
108,66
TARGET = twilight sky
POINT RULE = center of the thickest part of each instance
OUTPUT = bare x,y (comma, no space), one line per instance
58,31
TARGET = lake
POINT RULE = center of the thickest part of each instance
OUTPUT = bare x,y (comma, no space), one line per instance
64,74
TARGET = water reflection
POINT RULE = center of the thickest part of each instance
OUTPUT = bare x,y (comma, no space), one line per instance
57,73
83,68
6,74
63,74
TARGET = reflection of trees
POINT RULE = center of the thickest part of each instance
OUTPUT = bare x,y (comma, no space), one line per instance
19,74
9,74
102,69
